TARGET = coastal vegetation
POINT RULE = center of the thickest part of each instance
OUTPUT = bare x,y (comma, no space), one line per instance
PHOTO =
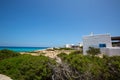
7,54
73,66
93,51
63,48
92,67
27,67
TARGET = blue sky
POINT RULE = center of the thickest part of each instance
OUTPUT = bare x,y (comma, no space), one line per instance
56,22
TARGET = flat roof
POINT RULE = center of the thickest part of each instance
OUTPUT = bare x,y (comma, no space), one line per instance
96,35
115,38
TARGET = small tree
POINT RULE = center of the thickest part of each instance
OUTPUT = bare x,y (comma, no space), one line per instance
93,51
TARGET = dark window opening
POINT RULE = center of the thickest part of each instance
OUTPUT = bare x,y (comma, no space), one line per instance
102,45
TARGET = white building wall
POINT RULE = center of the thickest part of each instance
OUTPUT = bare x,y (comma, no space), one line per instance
95,40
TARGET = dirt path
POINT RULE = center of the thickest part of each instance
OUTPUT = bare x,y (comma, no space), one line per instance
58,60
4,77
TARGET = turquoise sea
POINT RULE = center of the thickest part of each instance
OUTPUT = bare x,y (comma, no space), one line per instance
23,49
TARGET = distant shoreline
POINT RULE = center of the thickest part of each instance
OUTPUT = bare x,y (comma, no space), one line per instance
24,46
23,49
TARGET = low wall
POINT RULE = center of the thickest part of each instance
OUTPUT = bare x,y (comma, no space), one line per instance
111,51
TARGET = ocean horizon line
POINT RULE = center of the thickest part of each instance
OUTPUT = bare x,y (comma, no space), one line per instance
25,46
22,49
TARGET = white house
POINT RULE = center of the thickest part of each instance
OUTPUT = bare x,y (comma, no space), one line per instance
97,41
68,45
73,46
102,41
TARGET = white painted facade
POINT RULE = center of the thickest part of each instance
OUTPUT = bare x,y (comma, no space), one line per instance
95,41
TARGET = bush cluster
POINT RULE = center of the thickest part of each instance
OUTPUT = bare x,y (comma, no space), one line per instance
27,67
7,54
93,51
94,68
63,49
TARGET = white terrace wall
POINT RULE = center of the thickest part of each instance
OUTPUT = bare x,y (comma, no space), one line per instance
111,51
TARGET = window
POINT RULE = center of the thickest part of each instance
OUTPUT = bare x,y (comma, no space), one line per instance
102,45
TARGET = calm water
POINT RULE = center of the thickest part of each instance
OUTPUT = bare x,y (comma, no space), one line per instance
23,49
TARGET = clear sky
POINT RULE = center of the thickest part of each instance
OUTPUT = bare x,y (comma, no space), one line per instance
56,22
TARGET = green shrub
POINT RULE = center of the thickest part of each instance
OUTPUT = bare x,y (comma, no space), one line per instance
62,55
76,52
113,64
88,67
27,67
7,54
93,51
63,49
